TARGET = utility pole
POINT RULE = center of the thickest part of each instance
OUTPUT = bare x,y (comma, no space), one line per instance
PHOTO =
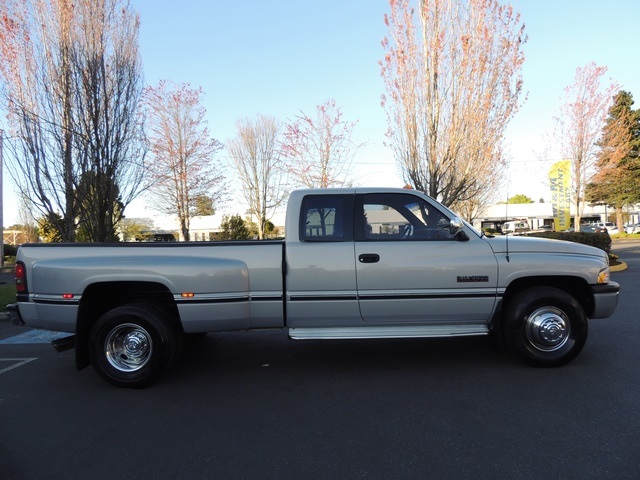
1,204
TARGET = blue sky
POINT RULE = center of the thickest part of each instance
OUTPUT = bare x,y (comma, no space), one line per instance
274,58
281,57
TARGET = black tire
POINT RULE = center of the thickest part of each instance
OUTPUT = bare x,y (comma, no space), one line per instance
544,326
132,345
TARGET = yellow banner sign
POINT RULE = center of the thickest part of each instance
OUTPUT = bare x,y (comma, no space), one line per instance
560,184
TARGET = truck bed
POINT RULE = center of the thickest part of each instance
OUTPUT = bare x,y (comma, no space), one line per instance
216,285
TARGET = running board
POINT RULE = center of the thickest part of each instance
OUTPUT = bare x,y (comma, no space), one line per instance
336,333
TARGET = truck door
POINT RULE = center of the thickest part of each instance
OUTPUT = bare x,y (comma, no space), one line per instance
410,269
321,273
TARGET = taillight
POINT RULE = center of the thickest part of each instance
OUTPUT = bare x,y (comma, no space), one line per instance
21,278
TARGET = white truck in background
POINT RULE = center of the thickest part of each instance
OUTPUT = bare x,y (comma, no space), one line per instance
515,226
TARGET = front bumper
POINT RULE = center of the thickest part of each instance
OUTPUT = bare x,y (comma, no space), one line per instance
605,299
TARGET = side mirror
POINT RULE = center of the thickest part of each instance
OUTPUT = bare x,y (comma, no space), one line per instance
456,229
455,225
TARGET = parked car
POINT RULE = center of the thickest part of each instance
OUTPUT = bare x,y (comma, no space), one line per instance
609,227
587,228
632,228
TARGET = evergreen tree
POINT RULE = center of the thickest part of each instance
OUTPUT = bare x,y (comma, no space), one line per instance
233,228
617,182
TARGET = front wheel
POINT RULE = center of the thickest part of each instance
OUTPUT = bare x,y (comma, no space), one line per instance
545,326
130,346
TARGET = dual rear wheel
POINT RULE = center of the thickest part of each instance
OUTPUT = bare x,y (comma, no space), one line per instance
132,345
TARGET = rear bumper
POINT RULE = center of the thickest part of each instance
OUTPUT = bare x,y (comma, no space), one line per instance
14,314
605,299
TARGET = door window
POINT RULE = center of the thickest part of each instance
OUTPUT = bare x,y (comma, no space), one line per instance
402,217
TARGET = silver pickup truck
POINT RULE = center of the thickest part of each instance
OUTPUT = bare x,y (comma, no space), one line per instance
355,263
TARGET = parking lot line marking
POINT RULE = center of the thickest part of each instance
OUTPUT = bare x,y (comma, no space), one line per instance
21,361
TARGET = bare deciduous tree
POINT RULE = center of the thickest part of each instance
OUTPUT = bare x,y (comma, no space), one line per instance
183,168
579,126
319,151
28,223
109,90
72,82
255,154
452,72
484,197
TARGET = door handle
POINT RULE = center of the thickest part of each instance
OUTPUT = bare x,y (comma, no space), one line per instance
369,258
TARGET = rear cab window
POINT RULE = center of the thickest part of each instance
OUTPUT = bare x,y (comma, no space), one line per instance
326,218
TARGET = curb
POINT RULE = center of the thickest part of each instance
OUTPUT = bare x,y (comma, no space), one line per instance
618,268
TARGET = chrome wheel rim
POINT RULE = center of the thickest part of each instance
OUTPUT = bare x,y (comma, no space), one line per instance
128,347
548,329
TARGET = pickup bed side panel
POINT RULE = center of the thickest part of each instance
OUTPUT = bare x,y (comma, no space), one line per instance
215,289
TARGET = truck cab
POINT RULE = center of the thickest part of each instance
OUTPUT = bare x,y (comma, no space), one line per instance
385,258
